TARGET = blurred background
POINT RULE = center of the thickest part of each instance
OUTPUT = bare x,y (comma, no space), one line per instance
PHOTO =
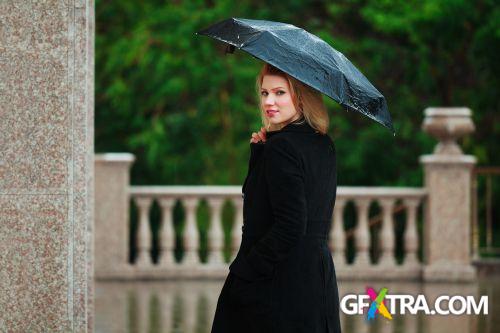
186,112
171,97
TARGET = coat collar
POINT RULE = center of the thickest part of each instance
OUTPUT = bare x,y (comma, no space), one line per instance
299,125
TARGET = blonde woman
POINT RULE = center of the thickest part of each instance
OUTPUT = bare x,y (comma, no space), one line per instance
283,277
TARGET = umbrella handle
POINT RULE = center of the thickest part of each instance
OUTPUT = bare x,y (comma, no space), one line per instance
229,49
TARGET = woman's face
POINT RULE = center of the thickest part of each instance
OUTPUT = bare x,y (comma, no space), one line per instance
277,101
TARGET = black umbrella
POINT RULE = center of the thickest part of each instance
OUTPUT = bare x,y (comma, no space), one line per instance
307,58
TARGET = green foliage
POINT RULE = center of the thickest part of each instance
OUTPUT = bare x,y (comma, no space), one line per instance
186,110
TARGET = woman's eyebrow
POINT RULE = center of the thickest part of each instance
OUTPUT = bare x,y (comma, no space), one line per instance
273,88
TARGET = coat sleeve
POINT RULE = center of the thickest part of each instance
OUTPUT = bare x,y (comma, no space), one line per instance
285,178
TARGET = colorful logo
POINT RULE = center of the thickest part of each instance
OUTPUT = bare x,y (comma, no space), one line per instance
378,304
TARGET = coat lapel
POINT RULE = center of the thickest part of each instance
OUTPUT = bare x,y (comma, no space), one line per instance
256,150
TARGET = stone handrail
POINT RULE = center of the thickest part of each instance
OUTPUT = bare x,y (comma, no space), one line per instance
362,197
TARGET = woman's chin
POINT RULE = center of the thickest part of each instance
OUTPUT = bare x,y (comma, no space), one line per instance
274,121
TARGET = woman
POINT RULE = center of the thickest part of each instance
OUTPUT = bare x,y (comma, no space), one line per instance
283,278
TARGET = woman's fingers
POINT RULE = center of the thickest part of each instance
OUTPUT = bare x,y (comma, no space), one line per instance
254,138
262,134
259,136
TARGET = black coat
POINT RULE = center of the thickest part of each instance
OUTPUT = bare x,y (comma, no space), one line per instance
283,277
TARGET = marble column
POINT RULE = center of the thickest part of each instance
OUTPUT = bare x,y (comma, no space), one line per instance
46,165
447,236
112,203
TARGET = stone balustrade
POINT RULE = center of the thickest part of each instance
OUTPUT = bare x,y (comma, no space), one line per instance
391,201
191,265
190,197
370,240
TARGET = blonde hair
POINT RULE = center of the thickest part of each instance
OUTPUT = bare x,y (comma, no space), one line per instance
307,101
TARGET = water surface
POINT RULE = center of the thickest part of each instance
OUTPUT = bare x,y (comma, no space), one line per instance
187,306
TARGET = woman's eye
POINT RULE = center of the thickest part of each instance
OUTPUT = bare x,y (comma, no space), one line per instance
279,92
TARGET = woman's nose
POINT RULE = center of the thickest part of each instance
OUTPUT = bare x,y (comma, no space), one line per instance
269,100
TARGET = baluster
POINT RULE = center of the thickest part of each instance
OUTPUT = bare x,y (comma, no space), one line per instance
215,233
190,237
362,235
237,227
387,234
144,235
167,237
337,233
410,234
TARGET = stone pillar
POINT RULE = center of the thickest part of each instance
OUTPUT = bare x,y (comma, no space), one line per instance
46,165
448,211
112,205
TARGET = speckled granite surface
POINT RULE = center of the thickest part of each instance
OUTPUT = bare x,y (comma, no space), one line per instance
46,165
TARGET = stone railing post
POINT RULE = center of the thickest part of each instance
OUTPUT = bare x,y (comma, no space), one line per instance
337,242
410,233
143,236
237,230
362,233
215,232
190,236
447,212
167,233
111,211
387,257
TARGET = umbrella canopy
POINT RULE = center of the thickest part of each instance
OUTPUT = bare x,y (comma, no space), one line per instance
307,58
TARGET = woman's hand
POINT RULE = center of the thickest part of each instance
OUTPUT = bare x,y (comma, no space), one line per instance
260,135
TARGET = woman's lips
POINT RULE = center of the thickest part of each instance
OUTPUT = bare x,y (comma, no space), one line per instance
271,113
